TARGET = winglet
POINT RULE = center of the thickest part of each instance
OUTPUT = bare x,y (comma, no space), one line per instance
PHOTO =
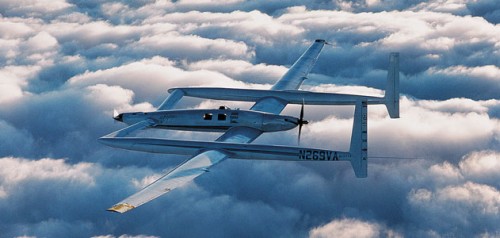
359,140
121,208
392,88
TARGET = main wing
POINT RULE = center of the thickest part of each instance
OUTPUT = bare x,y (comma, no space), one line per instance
187,171
178,177
292,79
201,162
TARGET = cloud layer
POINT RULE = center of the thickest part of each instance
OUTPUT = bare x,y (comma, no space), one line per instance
66,65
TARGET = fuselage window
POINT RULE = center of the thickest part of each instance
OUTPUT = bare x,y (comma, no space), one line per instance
207,116
221,117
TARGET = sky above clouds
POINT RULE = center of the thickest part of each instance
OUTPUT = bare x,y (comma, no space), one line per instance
65,65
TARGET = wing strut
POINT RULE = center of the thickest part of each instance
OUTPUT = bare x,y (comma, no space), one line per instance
171,100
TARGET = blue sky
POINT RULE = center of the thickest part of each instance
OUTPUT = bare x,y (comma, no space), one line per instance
66,65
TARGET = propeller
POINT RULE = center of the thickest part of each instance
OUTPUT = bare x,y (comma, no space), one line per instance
301,121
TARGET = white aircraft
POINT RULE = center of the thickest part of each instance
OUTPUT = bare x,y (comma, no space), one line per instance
241,127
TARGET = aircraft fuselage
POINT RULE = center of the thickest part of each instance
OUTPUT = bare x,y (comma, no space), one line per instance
211,120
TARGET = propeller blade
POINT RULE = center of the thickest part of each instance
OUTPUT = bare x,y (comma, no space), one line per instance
301,121
302,111
300,131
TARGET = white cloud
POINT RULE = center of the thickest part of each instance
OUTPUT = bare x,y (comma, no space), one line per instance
113,95
459,105
255,26
468,205
142,183
192,46
204,4
484,198
481,165
16,170
242,70
151,78
445,173
34,7
346,228
9,92
66,66
92,33
488,72
42,41
12,29
454,6
14,81
458,195
426,27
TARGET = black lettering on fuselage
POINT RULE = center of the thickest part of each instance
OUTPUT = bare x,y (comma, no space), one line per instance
308,154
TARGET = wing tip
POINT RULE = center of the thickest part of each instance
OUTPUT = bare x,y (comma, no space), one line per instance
121,208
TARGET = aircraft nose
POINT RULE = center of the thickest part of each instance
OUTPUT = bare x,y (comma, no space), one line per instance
119,117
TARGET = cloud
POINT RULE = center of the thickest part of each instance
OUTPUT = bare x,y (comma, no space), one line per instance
242,70
460,205
41,42
481,165
14,141
65,65
180,47
49,197
487,9
458,196
16,170
152,77
478,83
251,26
33,8
351,228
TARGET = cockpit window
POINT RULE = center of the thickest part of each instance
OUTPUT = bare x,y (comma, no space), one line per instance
207,116
221,117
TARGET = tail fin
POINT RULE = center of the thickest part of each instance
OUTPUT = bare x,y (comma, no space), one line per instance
359,140
392,89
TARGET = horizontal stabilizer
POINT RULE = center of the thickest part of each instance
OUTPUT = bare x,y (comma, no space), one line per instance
289,96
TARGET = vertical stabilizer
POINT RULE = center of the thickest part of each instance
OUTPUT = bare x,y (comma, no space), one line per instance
359,140
392,88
